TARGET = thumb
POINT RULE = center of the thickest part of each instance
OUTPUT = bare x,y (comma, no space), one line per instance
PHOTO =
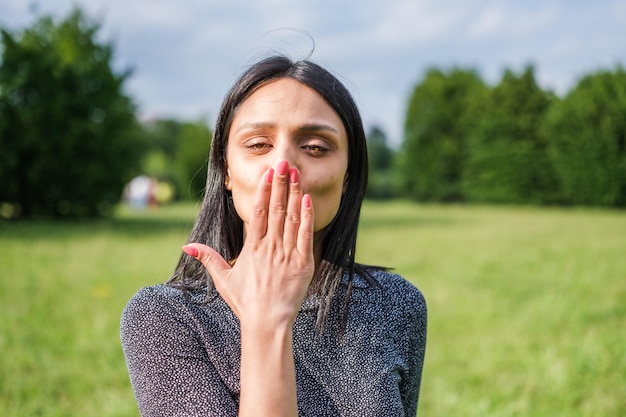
210,258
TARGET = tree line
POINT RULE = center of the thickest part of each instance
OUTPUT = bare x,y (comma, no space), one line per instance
70,138
466,141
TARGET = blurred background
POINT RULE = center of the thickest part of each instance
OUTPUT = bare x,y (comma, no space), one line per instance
497,141
448,90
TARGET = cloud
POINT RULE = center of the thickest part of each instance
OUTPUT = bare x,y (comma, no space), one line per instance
527,22
187,52
513,20
489,23
407,22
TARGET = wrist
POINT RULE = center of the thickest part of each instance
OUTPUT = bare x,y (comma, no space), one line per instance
267,378
267,333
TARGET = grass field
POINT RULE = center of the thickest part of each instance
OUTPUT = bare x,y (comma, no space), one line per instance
527,306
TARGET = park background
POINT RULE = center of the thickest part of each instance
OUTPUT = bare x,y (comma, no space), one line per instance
499,192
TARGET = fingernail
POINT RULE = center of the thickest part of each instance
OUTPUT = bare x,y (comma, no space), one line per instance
269,176
293,175
282,168
190,250
306,200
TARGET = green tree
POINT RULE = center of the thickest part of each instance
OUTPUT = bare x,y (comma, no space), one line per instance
192,157
440,116
68,135
162,137
587,132
381,183
178,152
507,160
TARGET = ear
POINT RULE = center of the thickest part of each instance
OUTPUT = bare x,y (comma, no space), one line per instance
227,183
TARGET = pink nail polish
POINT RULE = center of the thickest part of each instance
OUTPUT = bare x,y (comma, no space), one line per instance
293,175
282,168
306,200
191,251
269,176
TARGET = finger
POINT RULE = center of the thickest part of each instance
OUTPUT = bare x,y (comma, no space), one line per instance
258,220
210,258
294,199
278,201
305,231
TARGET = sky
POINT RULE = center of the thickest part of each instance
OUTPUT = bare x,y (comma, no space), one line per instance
185,54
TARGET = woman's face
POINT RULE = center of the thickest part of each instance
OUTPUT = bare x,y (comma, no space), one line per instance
286,120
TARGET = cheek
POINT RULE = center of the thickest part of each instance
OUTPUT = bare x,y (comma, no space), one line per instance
243,191
326,199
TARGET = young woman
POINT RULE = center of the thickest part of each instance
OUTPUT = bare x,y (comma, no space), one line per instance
267,313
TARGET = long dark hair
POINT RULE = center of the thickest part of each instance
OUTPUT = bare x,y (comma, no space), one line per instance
218,224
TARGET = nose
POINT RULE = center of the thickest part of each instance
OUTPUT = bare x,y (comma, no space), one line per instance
285,152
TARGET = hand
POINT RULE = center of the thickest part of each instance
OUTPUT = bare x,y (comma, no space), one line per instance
270,278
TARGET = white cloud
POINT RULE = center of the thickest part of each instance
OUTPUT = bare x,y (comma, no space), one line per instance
187,52
512,20
490,23
526,22
408,22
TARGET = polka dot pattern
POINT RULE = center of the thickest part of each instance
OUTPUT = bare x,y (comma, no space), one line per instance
183,352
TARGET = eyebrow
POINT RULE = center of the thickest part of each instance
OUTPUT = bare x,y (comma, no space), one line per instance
312,127
255,126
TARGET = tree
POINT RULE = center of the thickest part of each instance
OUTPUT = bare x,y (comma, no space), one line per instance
507,159
439,119
178,153
192,158
68,135
381,183
587,140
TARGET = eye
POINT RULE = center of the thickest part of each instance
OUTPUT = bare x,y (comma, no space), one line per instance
258,145
316,149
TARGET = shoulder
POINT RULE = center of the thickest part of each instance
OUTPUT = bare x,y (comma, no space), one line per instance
389,293
159,303
395,287
155,297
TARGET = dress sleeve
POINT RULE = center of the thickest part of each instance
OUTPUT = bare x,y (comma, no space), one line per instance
168,365
410,387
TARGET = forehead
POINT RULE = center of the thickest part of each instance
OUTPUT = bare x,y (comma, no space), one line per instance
284,99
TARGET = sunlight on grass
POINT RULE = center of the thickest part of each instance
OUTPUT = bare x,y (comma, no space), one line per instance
526,306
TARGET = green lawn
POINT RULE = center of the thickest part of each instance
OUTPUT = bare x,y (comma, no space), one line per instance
527,307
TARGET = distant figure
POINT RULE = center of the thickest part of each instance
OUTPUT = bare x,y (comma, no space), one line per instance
267,312
140,192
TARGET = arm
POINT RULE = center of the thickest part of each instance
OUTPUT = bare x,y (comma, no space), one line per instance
268,376
416,329
168,367
265,289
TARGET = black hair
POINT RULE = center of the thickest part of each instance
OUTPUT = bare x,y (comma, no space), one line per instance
218,224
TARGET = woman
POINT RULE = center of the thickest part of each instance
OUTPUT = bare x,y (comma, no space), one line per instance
267,312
